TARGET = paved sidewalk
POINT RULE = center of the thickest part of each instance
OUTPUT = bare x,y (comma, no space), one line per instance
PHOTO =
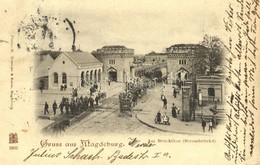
154,104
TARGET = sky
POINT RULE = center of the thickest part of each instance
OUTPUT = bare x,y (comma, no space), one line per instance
139,24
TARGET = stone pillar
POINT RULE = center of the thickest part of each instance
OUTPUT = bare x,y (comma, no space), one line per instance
87,77
95,75
91,76
186,113
82,79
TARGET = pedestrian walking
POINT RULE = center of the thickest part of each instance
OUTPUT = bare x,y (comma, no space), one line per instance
96,99
203,124
174,93
61,107
54,107
72,107
214,120
91,101
174,111
165,103
210,126
158,117
67,105
46,107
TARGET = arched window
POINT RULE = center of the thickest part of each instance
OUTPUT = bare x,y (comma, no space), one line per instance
64,78
55,78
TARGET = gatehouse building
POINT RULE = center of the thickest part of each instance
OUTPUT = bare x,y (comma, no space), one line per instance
117,61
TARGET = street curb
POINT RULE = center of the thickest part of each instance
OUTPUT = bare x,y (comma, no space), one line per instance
177,132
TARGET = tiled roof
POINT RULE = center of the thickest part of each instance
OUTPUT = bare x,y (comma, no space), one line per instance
53,54
188,45
155,54
115,46
82,57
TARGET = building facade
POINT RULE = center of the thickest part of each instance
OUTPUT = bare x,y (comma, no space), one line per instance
181,60
75,69
154,57
43,61
209,89
117,61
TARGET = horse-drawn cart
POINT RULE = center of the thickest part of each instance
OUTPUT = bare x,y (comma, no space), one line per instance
125,103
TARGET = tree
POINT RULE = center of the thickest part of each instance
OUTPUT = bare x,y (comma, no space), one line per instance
199,62
215,54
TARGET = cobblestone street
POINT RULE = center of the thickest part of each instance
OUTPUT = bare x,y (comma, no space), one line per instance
107,119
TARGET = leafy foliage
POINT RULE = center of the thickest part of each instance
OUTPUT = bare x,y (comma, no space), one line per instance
215,54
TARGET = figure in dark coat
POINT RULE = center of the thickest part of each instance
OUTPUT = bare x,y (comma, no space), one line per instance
54,107
165,103
174,110
61,107
67,105
91,101
203,124
46,107
96,99
174,93
158,117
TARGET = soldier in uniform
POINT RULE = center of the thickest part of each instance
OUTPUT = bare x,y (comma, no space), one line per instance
96,99
67,105
61,107
46,107
91,101
54,107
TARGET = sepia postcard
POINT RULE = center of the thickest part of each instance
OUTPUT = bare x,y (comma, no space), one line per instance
129,82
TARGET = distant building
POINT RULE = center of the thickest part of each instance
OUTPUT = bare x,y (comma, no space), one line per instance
211,88
75,69
117,61
154,57
180,60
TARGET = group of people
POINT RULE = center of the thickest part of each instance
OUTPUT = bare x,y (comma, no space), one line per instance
212,123
135,90
75,106
63,87
162,119
174,110
93,88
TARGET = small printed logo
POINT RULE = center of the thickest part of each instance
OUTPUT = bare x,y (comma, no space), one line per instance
13,138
